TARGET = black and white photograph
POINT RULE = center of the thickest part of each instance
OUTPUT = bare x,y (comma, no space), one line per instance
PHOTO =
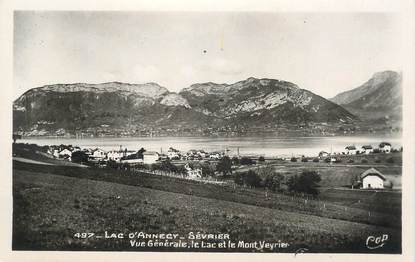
208,131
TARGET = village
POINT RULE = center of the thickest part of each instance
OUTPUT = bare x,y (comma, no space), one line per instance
203,165
45,129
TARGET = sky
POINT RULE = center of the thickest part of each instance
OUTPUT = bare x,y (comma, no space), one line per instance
325,53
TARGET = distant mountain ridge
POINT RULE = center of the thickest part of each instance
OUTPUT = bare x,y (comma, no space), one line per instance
250,102
379,97
262,99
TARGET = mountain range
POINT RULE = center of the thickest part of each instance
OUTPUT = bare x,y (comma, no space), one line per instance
248,103
379,97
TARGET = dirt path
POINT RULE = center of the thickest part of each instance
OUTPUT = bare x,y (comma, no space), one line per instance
53,162
30,161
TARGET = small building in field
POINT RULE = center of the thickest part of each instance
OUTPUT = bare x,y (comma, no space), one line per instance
385,147
202,153
66,153
115,155
372,179
150,157
193,173
216,155
54,152
163,157
98,153
367,149
323,154
351,150
173,153
334,159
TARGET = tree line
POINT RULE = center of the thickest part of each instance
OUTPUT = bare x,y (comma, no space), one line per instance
305,183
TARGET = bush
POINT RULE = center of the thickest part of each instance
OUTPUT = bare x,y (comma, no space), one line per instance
293,159
316,160
304,159
165,166
238,179
355,181
274,181
207,168
265,171
246,161
224,166
388,184
261,159
112,164
350,161
250,178
79,157
307,183
364,161
327,160
235,161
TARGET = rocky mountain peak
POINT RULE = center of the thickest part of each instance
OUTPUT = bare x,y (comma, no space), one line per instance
378,97
174,99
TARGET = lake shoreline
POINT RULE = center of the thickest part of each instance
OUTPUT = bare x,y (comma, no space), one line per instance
254,145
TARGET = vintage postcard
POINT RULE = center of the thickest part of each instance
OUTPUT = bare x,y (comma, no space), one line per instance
207,131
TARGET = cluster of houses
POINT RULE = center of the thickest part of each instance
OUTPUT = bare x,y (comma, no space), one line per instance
370,179
133,157
193,154
384,147
97,155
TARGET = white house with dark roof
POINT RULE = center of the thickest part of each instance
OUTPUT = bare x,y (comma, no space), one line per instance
115,155
367,149
385,147
66,153
173,153
323,154
193,173
98,153
150,157
372,179
351,150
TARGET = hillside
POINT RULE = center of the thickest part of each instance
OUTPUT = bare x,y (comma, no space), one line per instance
130,109
379,97
110,106
263,101
45,220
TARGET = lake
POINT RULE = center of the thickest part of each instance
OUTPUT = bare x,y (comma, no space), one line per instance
267,146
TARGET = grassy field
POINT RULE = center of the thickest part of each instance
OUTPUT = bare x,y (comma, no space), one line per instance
51,203
374,201
49,209
335,175
230,193
340,175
